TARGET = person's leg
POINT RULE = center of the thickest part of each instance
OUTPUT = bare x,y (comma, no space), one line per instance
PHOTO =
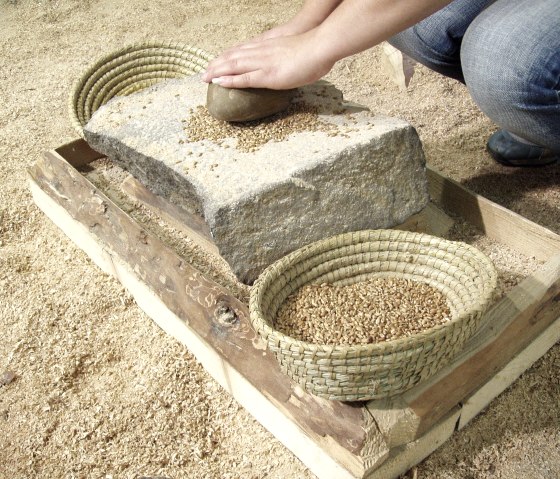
436,41
510,56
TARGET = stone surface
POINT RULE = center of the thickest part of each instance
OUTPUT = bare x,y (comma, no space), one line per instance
260,205
232,104
7,377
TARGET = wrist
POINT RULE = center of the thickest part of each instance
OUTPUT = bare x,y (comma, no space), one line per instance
319,51
323,49
302,23
313,13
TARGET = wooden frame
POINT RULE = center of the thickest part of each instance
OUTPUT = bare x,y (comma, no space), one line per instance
379,439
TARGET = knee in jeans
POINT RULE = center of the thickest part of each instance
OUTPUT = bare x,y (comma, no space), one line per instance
501,73
432,48
487,75
426,45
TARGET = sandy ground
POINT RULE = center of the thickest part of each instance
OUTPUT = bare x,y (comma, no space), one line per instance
99,391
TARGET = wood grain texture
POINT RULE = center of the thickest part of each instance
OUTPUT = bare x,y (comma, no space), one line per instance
508,328
397,66
191,224
402,458
218,318
479,400
495,221
344,438
431,220
317,457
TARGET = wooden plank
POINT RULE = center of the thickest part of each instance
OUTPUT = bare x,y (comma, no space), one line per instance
191,224
79,153
494,220
259,405
404,457
344,437
533,305
506,377
431,220
219,319
398,423
396,65
509,327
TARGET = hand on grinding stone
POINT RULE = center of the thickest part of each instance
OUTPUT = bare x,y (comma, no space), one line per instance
343,28
278,63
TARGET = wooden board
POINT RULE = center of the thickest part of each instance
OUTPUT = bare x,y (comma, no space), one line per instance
509,327
479,400
191,224
376,439
262,406
344,430
495,221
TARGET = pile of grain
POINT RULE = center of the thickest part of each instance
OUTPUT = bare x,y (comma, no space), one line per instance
369,311
252,135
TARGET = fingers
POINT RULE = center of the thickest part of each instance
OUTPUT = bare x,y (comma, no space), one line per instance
253,79
267,64
240,46
233,63
227,69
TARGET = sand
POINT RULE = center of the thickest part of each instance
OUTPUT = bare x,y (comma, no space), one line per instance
89,386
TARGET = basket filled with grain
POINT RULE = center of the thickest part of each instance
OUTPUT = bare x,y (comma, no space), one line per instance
370,314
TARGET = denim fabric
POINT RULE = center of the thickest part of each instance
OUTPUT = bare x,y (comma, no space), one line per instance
507,52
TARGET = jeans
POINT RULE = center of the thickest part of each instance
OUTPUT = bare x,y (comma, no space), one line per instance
507,52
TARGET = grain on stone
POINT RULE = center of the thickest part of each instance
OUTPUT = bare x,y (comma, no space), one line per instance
371,311
252,135
134,434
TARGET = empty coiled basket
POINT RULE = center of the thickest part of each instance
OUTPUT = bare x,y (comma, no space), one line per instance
129,70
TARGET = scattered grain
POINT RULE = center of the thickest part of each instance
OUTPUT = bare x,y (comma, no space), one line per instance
369,311
252,135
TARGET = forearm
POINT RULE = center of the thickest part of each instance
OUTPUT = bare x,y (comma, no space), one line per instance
314,12
356,25
311,14
298,54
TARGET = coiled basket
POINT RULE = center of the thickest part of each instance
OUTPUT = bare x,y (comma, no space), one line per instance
354,373
129,70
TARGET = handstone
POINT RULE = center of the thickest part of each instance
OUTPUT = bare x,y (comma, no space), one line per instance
233,104
263,204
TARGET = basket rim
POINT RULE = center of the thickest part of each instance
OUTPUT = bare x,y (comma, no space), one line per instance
145,49
386,347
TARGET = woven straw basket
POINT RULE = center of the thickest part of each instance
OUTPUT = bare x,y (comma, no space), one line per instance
353,373
129,70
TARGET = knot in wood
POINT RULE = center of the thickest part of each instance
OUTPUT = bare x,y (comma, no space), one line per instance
226,315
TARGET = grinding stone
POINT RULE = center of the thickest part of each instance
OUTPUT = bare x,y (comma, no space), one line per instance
233,104
260,205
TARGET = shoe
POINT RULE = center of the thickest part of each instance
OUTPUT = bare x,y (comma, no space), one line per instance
508,151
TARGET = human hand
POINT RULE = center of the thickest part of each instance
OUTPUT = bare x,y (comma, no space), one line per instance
278,63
